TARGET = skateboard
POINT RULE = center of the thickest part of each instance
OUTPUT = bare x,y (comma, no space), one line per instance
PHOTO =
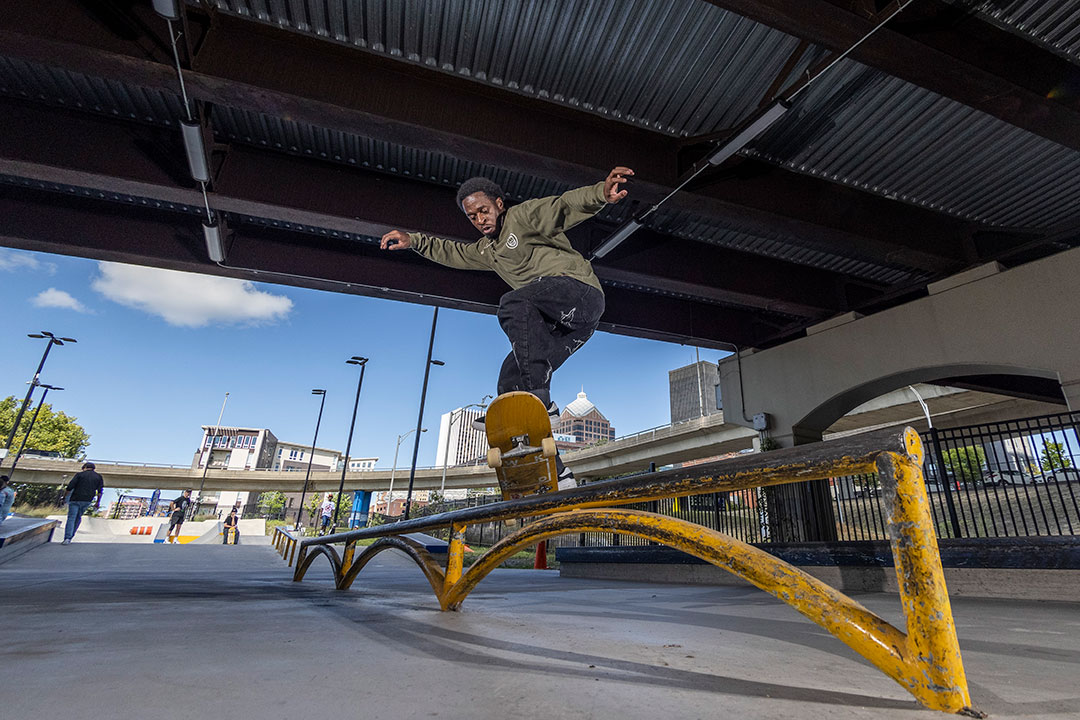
230,536
521,448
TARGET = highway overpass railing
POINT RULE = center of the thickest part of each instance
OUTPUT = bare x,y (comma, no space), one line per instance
924,657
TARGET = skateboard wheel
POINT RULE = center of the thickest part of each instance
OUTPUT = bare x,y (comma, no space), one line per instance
494,457
547,447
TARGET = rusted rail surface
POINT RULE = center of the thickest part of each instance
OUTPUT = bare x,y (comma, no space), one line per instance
924,658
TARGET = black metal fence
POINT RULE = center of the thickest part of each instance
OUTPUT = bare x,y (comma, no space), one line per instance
1016,478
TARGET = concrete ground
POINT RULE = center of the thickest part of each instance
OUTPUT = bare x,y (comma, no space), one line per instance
153,631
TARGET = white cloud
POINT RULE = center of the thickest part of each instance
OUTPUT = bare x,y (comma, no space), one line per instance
53,298
187,299
13,260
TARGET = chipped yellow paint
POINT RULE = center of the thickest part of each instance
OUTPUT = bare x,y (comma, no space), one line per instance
455,556
347,557
925,659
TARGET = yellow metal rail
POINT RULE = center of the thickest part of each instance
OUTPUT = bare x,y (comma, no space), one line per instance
924,657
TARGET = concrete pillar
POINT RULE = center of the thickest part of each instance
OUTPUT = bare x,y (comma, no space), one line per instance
1071,391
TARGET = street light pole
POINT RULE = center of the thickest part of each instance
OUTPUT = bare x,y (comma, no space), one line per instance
31,428
449,432
53,340
390,493
420,417
311,458
362,362
206,465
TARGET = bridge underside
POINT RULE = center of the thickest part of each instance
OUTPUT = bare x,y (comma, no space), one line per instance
327,127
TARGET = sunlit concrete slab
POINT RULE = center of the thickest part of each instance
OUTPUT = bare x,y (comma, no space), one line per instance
100,630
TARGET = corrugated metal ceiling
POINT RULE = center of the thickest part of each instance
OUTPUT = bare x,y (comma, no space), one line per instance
687,68
1055,24
882,135
681,67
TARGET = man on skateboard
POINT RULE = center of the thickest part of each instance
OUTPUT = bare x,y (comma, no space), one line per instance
555,301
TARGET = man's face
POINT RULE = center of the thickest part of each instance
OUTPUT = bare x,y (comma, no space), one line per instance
187,493
483,212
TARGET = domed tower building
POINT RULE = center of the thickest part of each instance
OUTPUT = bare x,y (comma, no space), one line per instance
584,422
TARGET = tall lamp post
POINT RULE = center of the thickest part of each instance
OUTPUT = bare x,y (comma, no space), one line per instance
362,362
420,417
52,340
460,412
393,470
31,428
311,459
211,436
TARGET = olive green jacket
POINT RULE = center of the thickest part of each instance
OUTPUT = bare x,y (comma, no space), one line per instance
531,243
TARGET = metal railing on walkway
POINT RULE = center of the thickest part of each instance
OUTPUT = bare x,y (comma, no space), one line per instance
924,658
1017,478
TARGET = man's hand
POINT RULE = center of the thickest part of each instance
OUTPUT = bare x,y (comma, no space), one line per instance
396,240
615,178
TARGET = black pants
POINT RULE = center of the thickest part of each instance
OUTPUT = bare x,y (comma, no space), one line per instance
546,322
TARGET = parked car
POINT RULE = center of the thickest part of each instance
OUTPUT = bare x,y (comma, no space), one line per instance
1063,475
1010,477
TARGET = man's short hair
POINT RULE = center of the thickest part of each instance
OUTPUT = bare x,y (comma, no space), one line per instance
88,466
479,184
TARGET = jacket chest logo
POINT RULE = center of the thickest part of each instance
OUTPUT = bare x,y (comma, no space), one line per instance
512,241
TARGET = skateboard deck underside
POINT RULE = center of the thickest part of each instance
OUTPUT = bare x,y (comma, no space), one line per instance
515,419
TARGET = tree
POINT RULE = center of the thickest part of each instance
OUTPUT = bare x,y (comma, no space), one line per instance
272,502
53,431
36,495
1053,457
965,463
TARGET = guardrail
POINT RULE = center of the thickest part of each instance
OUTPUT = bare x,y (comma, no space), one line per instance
924,658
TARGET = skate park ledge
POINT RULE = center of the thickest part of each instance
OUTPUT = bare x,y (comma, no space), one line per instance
21,534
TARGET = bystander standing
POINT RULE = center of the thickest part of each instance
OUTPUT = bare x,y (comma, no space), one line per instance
85,487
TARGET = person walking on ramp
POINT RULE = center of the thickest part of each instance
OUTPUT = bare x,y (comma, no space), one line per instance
85,487
555,301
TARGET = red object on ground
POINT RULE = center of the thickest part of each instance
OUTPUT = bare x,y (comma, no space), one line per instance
541,556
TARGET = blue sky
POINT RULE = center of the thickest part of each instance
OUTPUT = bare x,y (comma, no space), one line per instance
158,350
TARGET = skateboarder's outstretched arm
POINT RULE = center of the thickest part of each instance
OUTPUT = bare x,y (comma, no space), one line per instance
463,256
550,216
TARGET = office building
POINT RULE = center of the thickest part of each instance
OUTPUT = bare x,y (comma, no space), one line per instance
694,391
582,421
459,441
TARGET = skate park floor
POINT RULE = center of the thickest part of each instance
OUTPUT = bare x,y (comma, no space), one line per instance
182,631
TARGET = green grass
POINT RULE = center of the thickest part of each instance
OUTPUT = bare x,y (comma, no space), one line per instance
39,511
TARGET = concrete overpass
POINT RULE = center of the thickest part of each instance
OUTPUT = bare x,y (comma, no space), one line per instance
683,442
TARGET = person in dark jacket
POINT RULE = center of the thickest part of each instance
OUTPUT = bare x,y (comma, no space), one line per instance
232,521
83,488
555,301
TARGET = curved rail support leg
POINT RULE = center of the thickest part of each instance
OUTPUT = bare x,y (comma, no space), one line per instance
856,626
308,555
428,564
934,668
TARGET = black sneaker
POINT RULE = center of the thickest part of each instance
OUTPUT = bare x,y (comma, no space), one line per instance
553,416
